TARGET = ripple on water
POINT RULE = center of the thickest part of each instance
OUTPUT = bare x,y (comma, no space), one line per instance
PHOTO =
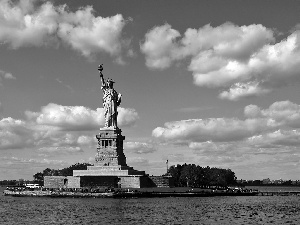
206,210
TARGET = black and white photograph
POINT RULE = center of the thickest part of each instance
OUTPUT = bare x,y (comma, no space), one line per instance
149,112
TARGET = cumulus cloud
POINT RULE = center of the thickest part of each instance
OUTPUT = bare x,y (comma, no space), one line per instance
23,25
252,111
245,59
27,23
139,147
214,129
283,113
241,90
127,116
78,117
160,46
89,34
68,117
86,140
202,133
14,134
276,139
57,128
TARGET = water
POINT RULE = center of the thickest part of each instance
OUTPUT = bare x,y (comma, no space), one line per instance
205,210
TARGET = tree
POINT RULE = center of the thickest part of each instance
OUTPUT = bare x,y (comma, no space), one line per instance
191,175
175,172
38,178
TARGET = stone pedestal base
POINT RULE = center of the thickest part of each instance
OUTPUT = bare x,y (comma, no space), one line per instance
116,182
118,171
110,164
116,176
110,148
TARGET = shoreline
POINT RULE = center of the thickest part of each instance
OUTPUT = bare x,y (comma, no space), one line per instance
124,193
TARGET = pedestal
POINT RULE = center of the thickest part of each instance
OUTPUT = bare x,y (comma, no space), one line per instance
110,163
110,148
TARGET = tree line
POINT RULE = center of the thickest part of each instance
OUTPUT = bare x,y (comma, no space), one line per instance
191,175
39,177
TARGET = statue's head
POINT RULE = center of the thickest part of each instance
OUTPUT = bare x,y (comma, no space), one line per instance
110,82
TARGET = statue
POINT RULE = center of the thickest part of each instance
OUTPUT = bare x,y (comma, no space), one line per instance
111,100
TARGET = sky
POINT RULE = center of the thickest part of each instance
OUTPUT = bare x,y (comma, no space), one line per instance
212,83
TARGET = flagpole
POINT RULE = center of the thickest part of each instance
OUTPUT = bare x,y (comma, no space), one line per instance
167,166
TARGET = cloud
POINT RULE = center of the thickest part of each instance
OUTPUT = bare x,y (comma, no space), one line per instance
263,135
252,111
68,117
210,146
86,140
78,117
27,23
127,116
227,40
241,90
245,59
66,150
284,114
57,128
24,25
277,139
54,138
138,162
89,34
160,46
14,134
213,129
15,161
139,147
6,75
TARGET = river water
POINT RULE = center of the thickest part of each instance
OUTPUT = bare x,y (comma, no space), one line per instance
197,210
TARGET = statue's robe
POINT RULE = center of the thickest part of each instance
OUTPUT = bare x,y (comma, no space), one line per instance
110,104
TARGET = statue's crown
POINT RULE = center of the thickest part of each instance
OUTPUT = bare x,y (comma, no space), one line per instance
110,80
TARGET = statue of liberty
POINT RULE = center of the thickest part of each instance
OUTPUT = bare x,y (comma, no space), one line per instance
111,100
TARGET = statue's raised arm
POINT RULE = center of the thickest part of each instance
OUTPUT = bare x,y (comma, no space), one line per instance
100,69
